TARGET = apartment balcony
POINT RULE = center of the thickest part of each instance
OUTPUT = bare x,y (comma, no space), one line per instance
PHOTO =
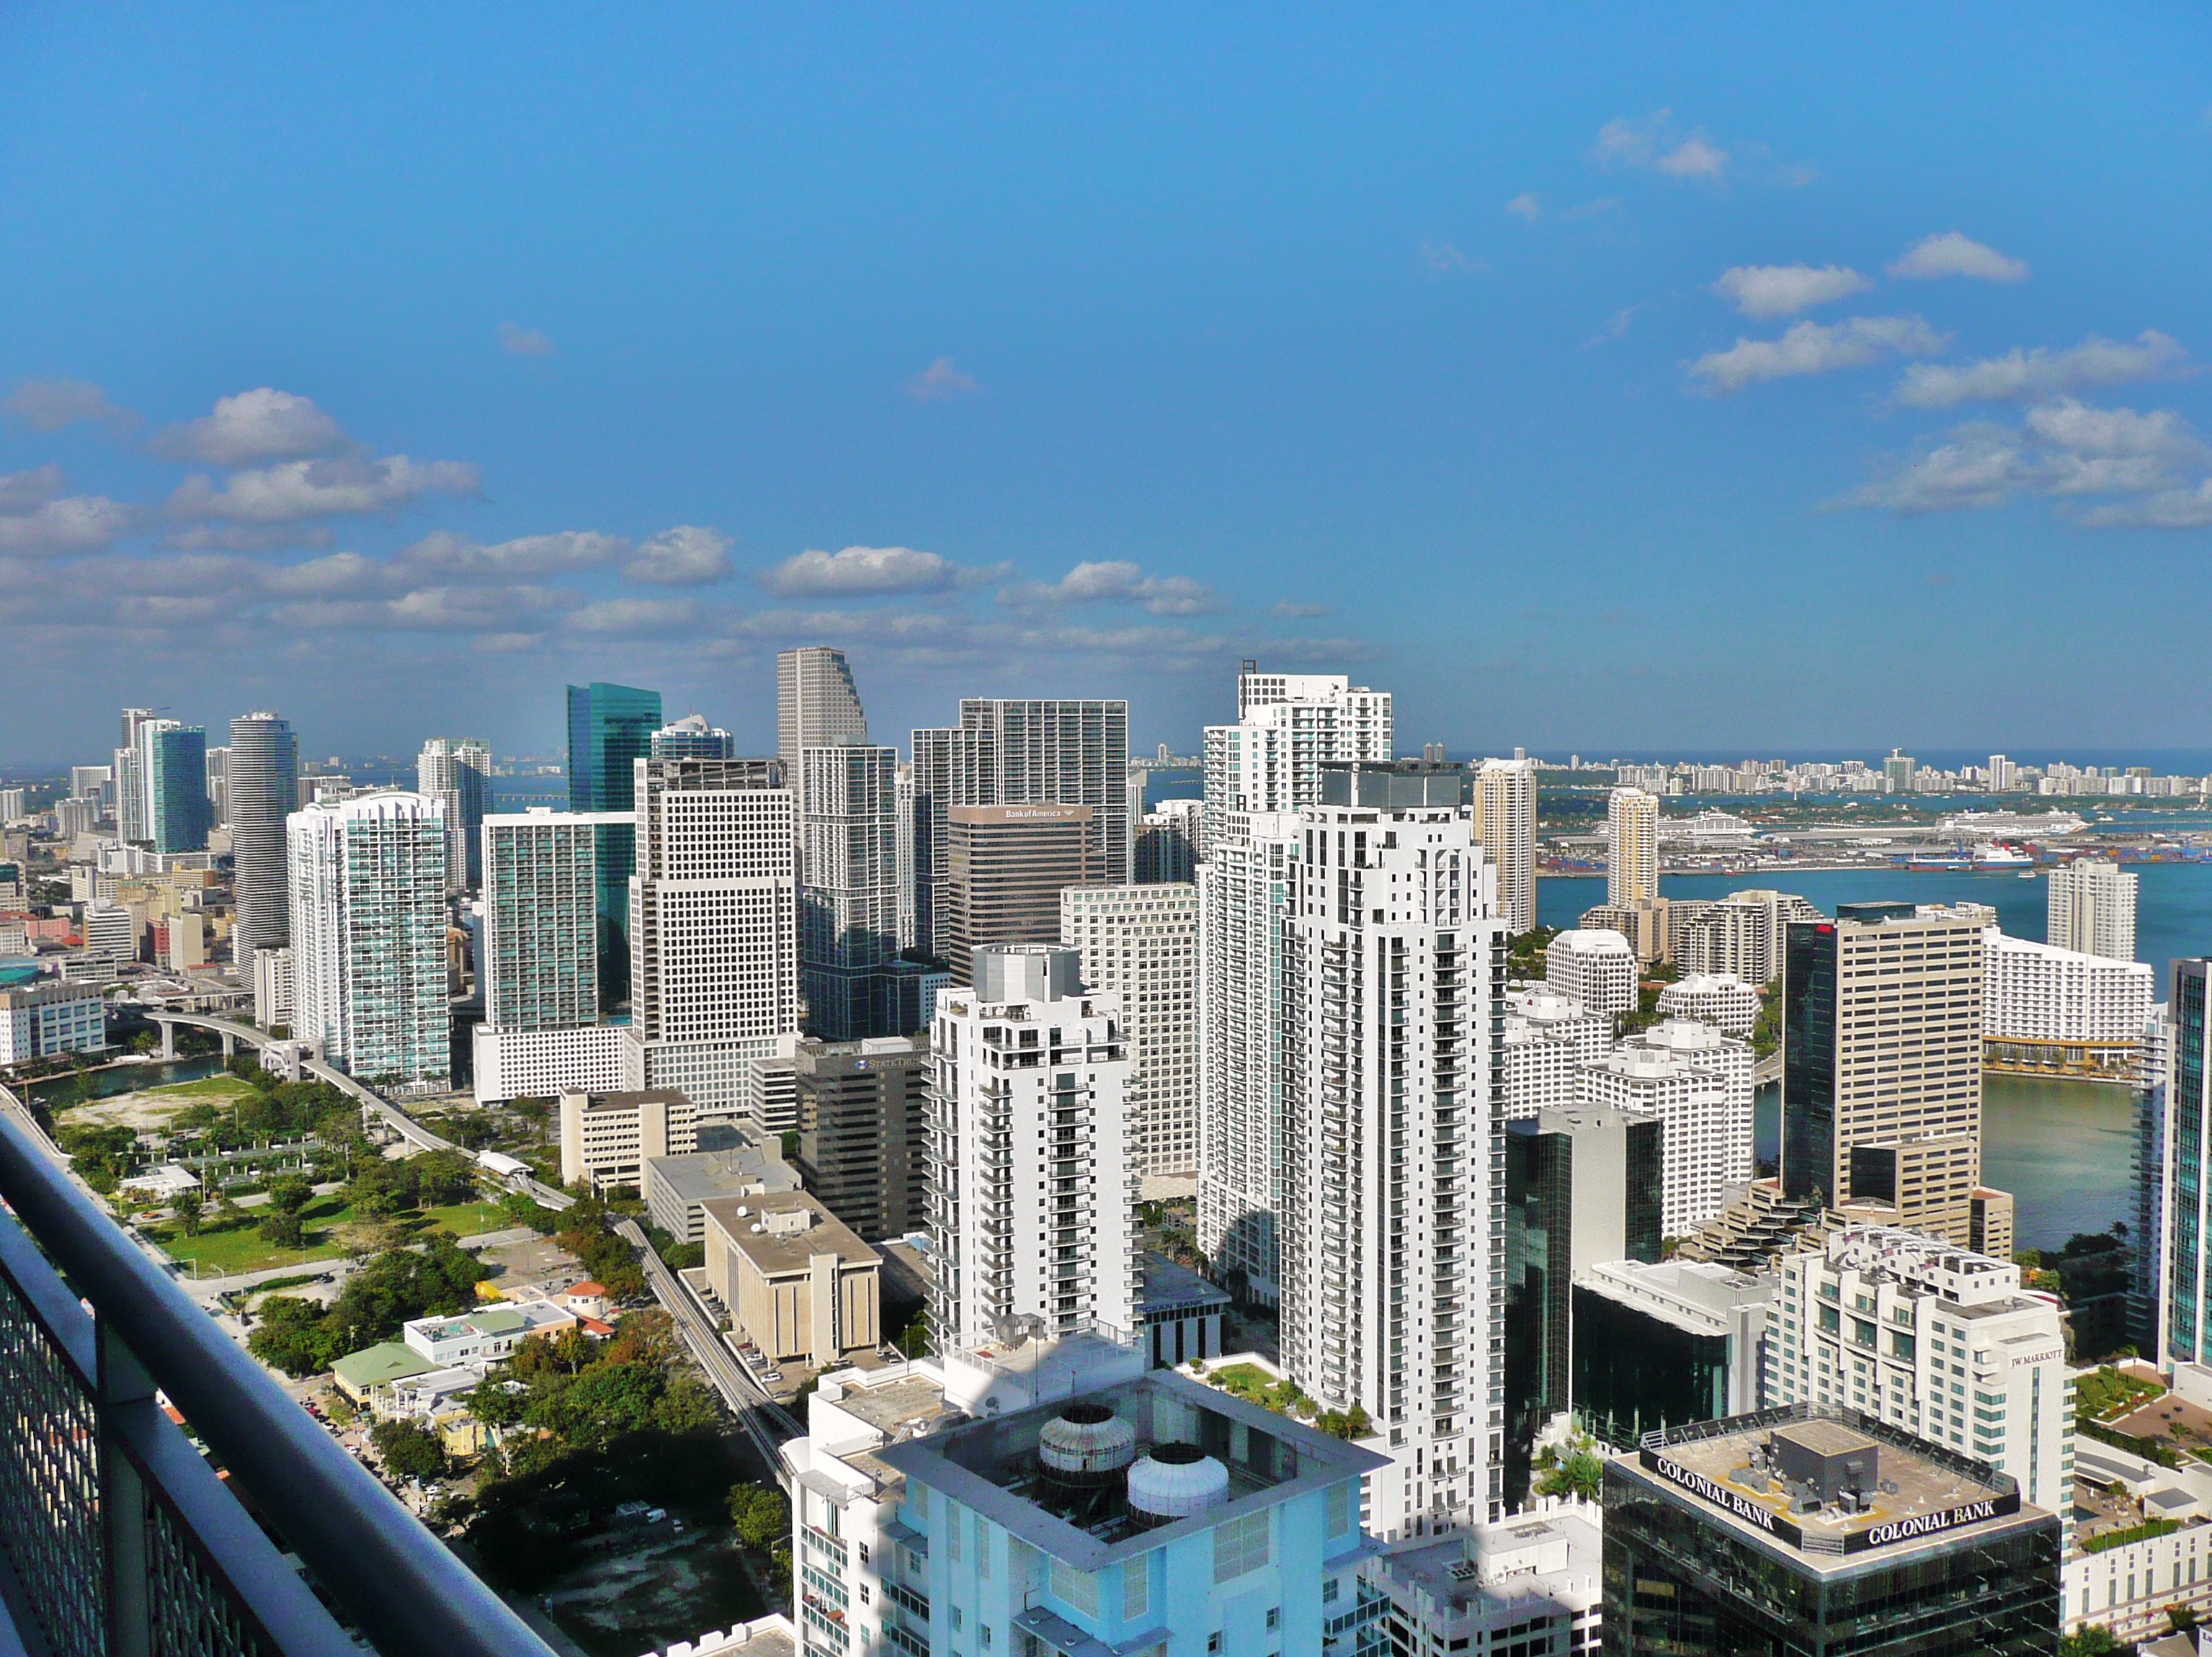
117,1538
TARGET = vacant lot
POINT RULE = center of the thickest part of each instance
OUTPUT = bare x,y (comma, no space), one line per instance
152,1110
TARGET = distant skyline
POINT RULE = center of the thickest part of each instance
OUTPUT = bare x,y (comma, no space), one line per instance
1726,380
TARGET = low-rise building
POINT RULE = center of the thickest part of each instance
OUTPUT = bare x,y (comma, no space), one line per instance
1179,1313
1658,1346
1596,967
364,1377
548,1062
1721,999
797,1281
483,1336
1531,1583
678,1188
773,1636
50,1016
607,1138
2142,1544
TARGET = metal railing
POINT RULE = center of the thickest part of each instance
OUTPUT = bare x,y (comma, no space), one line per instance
118,1539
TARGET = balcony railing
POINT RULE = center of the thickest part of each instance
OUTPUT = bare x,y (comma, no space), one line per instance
117,1538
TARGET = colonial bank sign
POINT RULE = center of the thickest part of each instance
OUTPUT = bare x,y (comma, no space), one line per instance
1885,1533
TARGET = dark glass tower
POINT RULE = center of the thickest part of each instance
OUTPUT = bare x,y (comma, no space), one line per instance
2186,1337
1808,1060
177,789
609,726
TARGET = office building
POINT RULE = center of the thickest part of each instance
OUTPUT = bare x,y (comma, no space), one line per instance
218,786
1597,968
172,763
2054,1011
92,782
537,954
1664,1344
1549,1037
263,772
1011,752
1531,1583
1886,1322
1392,1284
50,1016
2184,1172
1632,846
1881,1064
458,770
610,728
369,937
1728,1003
1153,1515
817,705
715,923
1006,869
1581,1186
1699,1083
797,1284
1167,842
1505,824
745,1164
863,1111
852,981
1647,924
607,1138
131,818
692,739
1288,727
1822,1530
1034,1180
548,1061
1742,935
1141,943
2091,908
113,931
911,854
272,987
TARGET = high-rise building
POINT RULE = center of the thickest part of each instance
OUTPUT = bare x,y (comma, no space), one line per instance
1665,1345
2004,775
537,949
218,786
1632,846
854,984
2092,909
1167,842
458,770
1698,1082
1393,1278
1005,870
1778,1531
1505,823
2047,1010
1011,752
1141,943
264,782
1885,1320
1881,1063
1549,1037
2184,1170
1034,1185
692,739
911,842
714,907
130,778
91,782
369,937
1741,935
1596,967
817,705
1897,772
1288,727
272,986
864,1131
1581,1185
173,764
610,728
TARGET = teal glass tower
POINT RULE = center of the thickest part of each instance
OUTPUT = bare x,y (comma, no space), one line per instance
609,726
177,788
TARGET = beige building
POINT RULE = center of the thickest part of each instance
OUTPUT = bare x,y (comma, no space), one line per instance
607,1138
1632,846
1741,935
1006,867
798,1283
1141,943
1505,823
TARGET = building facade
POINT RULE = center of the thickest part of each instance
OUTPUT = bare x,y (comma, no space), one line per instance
458,770
1596,967
692,737
1141,943
264,770
850,974
1005,868
2091,909
537,952
51,1016
1697,1082
864,1131
1505,824
1728,1003
1664,1344
610,728
173,760
1741,935
817,705
1288,727
1632,846
2047,1010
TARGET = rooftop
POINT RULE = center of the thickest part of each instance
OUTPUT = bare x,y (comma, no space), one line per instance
381,1365
629,1100
782,1232
1169,1288
703,1175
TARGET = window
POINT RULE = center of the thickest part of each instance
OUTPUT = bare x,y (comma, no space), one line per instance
1339,1508
1275,1617
1077,1590
1213,1642
1240,1546
1136,1587
1330,1591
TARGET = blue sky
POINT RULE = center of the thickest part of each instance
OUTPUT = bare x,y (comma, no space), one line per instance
1613,379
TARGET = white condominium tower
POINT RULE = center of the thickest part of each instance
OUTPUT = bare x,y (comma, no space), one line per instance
1033,1182
458,770
1632,846
262,791
1016,751
713,923
1505,823
692,739
369,937
1259,772
1393,1286
2092,909
130,822
1140,942
816,706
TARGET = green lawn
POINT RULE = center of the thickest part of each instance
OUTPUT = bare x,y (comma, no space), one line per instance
466,1219
208,1087
243,1248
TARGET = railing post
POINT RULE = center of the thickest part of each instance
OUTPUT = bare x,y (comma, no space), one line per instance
125,1389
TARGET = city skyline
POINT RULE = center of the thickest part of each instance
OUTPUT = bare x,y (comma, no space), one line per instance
1546,359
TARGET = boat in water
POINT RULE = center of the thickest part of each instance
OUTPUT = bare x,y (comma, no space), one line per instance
1987,855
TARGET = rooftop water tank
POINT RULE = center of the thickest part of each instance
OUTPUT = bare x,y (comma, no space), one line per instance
1173,1482
1086,1444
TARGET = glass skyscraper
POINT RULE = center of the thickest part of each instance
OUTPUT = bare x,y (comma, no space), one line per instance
2184,1172
175,770
609,727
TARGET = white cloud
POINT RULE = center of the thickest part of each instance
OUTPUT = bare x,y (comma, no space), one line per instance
255,426
47,405
940,380
2187,508
524,342
1442,256
2040,372
1653,145
2062,450
1813,347
681,556
1118,579
1979,466
1952,254
37,521
1295,610
858,571
528,555
1782,290
633,615
1527,206
21,492
1616,327
299,490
